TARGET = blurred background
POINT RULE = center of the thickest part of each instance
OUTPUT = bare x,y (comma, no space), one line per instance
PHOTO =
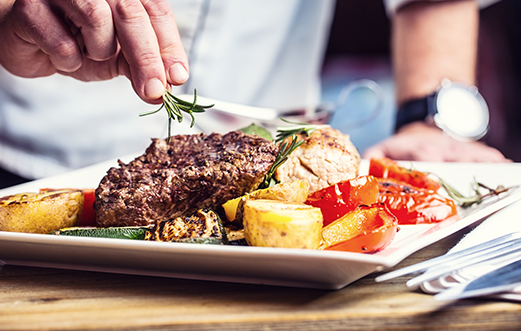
365,55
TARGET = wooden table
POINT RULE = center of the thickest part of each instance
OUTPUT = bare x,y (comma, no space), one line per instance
52,299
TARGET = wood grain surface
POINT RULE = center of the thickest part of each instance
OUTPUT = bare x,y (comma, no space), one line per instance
51,299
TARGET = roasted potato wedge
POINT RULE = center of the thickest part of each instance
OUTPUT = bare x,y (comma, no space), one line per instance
41,212
271,223
296,191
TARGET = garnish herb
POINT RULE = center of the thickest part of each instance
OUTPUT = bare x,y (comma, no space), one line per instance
257,130
477,197
285,147
285,132
175,108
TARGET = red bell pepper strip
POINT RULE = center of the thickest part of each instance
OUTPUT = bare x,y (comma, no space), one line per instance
367,229
412,205
387,168
338,199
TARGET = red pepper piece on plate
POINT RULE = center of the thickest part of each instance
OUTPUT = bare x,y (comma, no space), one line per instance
412,205
367,229
338,199
387,168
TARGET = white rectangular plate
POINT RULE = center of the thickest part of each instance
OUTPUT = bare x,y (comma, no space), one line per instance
257,265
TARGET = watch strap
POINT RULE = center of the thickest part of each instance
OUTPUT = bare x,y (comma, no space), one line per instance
415,110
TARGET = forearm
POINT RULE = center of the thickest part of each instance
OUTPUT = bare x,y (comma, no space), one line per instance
432,41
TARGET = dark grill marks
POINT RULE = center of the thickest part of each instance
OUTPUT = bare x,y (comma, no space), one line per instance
180,177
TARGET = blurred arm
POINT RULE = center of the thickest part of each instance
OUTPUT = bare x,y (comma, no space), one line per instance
432,40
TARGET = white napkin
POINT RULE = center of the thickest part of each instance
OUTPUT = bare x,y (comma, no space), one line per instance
501,223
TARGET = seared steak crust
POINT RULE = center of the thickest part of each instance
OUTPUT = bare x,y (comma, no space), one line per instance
179,177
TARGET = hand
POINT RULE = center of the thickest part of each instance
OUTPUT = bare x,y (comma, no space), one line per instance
95,40
421,142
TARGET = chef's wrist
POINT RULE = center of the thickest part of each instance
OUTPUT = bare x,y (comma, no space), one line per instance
413,111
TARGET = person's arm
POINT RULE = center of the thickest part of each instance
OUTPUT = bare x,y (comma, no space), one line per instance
433,40
95,40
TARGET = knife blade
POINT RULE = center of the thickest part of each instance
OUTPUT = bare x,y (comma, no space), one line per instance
257,113
496,281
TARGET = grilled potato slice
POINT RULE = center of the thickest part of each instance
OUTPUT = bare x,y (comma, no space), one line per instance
296,192
271,223
41,212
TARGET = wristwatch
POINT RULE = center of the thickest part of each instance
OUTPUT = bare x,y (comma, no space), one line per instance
458,109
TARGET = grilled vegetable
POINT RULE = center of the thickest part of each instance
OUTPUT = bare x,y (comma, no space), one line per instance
203,227
88,216
271,223
41,213
296,191
124,232
387,168
338,199
413,205
366,229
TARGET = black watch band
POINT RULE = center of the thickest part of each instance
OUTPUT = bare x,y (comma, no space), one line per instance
414,111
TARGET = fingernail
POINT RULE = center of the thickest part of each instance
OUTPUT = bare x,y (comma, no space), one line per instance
178,74
154,88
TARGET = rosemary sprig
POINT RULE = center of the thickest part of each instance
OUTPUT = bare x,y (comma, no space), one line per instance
477,197
175,108
285,132
285,149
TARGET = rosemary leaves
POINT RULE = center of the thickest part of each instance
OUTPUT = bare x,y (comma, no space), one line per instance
477,197
285,132
175,108
285,149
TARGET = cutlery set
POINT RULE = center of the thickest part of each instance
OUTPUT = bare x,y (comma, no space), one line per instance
500,258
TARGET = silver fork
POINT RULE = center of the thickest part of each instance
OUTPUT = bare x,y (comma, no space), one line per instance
496,248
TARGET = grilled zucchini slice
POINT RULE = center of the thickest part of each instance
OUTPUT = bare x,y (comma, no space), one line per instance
203,227
124,232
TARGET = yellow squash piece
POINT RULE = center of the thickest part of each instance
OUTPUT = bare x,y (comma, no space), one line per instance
271,223
41,212
296,191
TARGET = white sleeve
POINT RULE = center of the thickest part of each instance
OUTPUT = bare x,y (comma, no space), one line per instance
392,6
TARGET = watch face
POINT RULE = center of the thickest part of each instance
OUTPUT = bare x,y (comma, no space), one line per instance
461,112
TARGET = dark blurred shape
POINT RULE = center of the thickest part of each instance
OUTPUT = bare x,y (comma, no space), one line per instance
8,179
499,74
359,28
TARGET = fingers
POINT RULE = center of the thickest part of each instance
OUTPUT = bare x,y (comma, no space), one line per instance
92,22
374,152
150,44
46,36
423,143
172,51
137,38
40,38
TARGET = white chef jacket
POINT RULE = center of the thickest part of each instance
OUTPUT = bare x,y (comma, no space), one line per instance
54,124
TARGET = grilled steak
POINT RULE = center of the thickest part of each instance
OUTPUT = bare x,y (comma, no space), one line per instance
179,177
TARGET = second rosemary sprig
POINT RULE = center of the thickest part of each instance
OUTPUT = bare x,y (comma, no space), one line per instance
287,147
477,197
